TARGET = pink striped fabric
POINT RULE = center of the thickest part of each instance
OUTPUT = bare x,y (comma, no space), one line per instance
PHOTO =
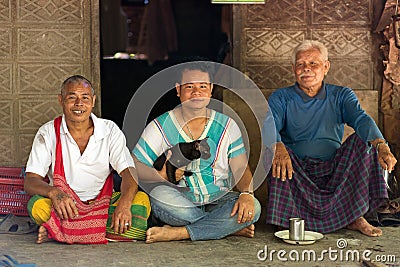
90,226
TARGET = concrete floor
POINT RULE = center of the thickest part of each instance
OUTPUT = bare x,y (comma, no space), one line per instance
230,251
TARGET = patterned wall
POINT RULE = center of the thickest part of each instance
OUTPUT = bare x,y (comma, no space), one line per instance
41,43
270,32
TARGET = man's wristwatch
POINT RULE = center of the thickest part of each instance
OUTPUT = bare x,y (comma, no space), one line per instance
380,143
247,193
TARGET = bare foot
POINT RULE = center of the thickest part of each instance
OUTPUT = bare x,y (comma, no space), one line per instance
166,233
246,232
42,235
364,227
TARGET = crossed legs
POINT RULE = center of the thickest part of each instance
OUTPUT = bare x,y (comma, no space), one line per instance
185,220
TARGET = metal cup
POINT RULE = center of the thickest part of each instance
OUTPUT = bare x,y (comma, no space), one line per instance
296,229
386,176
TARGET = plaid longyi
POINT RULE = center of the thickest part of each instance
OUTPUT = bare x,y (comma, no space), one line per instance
328,195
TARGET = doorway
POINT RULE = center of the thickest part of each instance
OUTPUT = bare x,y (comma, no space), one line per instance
198,32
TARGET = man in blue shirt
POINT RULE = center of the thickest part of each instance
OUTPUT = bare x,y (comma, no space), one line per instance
313,175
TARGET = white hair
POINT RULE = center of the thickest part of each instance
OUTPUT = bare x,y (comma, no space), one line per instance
309,44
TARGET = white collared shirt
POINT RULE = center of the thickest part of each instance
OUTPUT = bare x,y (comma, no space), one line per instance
85,173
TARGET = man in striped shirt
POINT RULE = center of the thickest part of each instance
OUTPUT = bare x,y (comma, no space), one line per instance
203,206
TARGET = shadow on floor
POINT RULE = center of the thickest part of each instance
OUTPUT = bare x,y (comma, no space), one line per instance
263,250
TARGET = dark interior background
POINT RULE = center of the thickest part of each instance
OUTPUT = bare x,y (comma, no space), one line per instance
198,27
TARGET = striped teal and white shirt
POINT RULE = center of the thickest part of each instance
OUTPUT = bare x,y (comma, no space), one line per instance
211,176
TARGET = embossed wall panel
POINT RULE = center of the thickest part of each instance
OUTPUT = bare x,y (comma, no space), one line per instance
41,43
24,146
356,74
341,12
5,10
50,44
5,78
265,43
47,11
369,102
50,74
270,74
345,43
268,34
5,43
6,110
277,12
35,112
8,152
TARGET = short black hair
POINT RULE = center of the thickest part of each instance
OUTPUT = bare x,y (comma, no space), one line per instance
195,63
76,79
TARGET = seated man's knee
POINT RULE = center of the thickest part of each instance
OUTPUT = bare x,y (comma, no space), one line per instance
167,202
168,196
39,209
163,193
143,200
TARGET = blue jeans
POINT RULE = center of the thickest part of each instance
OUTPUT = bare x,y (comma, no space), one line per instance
211,221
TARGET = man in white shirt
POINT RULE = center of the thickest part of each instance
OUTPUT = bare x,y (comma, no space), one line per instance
77,151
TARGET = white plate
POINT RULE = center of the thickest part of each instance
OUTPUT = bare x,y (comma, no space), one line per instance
309,237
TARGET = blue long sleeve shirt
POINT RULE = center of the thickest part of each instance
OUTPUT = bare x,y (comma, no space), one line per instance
314,126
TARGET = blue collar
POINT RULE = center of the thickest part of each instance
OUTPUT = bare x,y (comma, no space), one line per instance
320,96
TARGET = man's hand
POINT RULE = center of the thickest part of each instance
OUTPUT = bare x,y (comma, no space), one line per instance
122,217
386,158
244,207
163,172
282,164
63,204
